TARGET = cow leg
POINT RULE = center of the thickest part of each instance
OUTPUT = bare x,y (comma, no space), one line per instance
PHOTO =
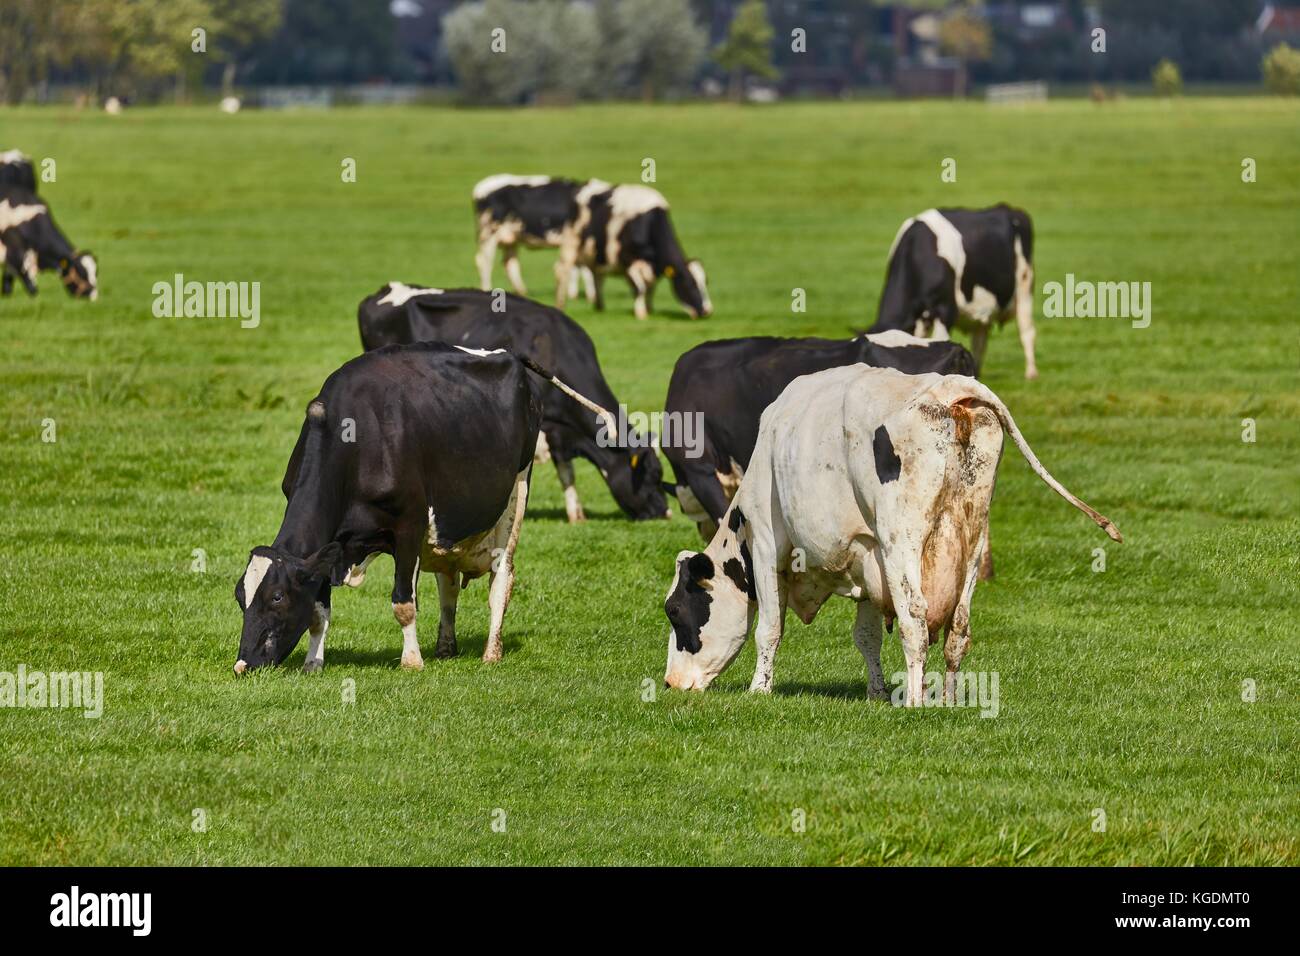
7,283
979,340
502,581
448,593
957,639
641,277
598,287
510,257
904,581
565,266
572,506
867,636
771,592
487,250
575,281
589,283
986,560
1025,316
405,576
320,623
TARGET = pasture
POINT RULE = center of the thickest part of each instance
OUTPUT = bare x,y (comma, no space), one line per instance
1119,690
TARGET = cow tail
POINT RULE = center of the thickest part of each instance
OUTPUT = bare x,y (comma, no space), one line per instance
985,395
606,416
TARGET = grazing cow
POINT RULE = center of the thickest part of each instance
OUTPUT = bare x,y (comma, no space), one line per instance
26,223
533,211
399,313
729,382
867,483
962,267
419,451
627,230
17,170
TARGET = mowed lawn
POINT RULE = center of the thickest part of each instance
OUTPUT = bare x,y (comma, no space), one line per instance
1121,691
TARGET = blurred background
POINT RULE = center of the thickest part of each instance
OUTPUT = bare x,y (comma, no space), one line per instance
276,53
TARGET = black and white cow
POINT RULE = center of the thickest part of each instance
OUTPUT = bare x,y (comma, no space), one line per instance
26,224
400,313
420,451
966,268
627,230
866,483
17,170
729,382
531,211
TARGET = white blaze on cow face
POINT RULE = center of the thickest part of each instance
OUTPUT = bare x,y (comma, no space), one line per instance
257,567
697,272
708,616
92,275
399,293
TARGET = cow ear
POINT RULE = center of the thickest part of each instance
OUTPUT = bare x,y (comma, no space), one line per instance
699,567
321,564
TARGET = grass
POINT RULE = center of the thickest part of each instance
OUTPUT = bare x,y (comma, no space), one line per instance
1119,690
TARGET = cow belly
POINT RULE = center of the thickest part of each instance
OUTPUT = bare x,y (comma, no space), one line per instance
472,557
856,573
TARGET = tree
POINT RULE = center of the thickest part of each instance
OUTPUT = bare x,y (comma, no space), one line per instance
748,47
239,25
1167,78
488,44
965,36
1282,70
663,45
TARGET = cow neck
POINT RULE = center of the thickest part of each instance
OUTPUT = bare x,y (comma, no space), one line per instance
315,509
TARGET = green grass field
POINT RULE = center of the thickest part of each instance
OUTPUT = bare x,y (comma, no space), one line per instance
1120,690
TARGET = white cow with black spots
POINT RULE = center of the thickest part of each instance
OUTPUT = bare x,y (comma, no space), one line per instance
867,483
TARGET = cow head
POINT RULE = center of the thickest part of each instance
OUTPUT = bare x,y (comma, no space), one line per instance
709,608
277,593
636,482
80,275
690,287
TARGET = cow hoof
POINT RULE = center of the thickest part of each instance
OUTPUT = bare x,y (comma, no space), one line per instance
412,662
577,517
492,656
311,667
1031,374
444,651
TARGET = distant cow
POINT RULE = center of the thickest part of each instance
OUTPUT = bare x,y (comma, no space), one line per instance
400,313
17,170
532,211
962,267
626,230
867,483
25,222
419,451
730,382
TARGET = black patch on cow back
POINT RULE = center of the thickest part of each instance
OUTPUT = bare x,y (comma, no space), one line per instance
888,464
736,520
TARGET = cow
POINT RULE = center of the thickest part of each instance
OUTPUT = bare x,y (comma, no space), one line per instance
26,223
17,170
400,313
420,451
867,483
728,383
532,211
626,230
966,268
